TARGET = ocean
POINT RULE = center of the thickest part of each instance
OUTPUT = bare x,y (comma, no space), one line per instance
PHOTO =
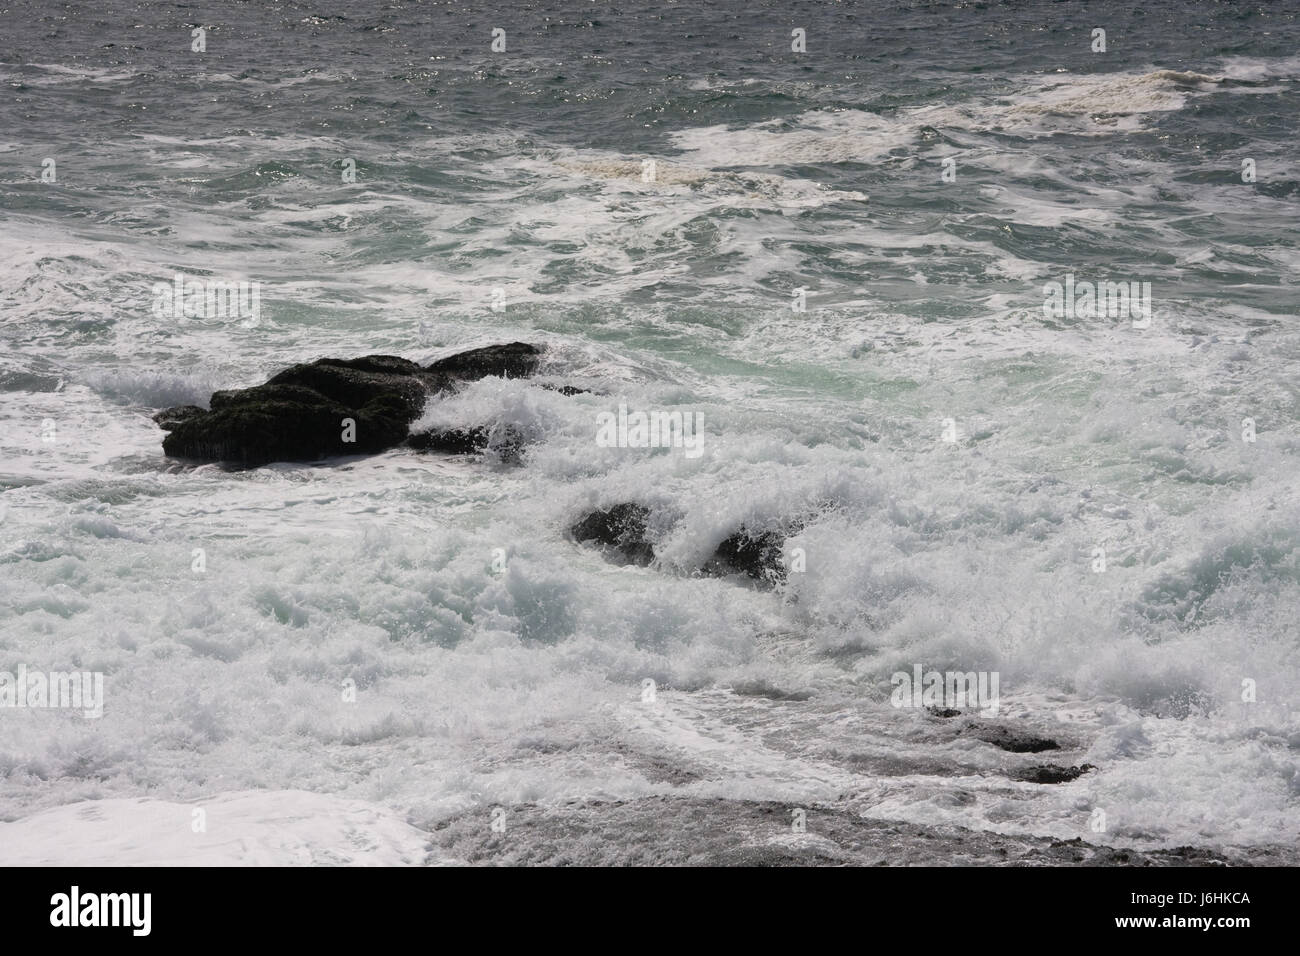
990,318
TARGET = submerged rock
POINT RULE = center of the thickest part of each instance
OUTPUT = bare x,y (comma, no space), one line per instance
762,688
622,528
329,407
1010,739
568,390
943,712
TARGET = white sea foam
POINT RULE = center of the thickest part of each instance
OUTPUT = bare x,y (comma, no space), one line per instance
274,828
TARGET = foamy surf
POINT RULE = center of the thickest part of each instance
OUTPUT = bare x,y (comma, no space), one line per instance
838,268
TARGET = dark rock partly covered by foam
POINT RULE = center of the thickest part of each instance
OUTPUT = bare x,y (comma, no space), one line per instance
505,440
169,418
451,441
328,407
944,713
753,553
568,390
622,528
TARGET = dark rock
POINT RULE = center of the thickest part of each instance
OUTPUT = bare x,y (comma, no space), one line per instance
1049,773
169,418
356,382
270,429
757,555
451,441
513,360
622,527
569,390
299,414
944,712
506,441
1009,738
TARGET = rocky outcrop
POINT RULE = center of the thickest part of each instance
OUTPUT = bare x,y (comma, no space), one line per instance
329,407
335,407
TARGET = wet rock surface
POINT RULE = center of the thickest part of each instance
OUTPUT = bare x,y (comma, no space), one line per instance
512,360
